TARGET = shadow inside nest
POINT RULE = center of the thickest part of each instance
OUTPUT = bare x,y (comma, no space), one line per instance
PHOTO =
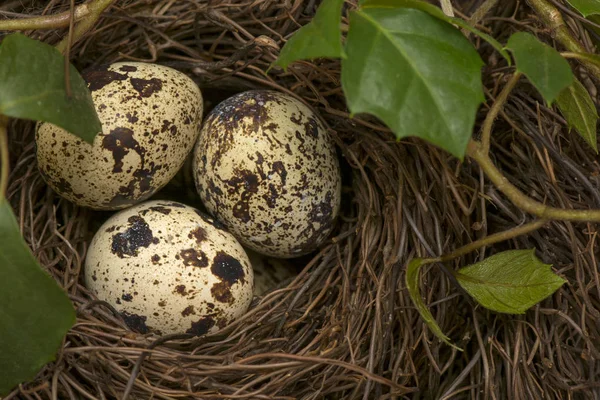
345,327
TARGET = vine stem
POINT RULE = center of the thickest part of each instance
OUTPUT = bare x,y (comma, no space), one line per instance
552,18
4,158
95,10
46,21
495,110
475,151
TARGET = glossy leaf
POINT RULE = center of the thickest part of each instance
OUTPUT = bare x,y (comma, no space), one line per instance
586,7
35,313
418,74
412,283
322,37
579,110
509,282
438,13
544,66
32,86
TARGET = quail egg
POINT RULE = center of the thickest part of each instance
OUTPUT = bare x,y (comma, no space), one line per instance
266,167
269,273
150,117
168,268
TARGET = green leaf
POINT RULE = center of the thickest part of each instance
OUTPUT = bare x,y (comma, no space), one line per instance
586,7
412,283
322,37
509,282
580,112
35,313
544,67
32,86
439,14
418,74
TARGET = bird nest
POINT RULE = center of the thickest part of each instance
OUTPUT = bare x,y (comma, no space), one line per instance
345,327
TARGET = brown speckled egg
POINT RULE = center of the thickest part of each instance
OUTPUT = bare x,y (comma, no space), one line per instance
150,117
269,273
266,167
169,268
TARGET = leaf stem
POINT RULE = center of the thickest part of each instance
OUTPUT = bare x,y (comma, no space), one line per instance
46,21
95,10
4,157
552,18
495,110
492,239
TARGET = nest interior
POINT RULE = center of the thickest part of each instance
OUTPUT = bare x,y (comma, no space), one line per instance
345,326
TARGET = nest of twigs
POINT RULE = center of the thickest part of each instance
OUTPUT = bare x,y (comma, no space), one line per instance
345,327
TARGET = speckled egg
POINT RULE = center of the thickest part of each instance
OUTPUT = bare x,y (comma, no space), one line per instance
168,268
266,167
269,272
150,117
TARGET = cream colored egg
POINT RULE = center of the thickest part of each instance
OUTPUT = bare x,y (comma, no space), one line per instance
150,117
269,273
266,167
169,268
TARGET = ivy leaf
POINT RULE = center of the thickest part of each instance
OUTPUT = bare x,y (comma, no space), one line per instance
412,283
544,66
418,74
580,112
586,7
322,37
32,86
35,313
509,282
439,14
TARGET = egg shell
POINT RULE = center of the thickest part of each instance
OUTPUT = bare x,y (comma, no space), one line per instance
269,272
266,167
169,268
150,117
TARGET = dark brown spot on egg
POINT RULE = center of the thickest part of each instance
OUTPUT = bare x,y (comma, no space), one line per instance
135,322
296,120
146,87
279,169
222,323
180,290
246,182
271,196
162,303
158,209
221,292
132,118
228,269
137,235
63,186
321,219
311,127
195,258
128,68
127,297
199,234
119,142
155,259
202,326
99,77
189,310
